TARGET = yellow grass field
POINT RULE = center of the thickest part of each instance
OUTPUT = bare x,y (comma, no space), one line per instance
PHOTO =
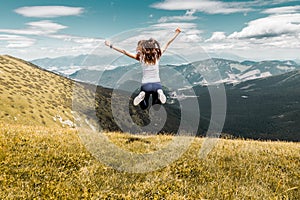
37,162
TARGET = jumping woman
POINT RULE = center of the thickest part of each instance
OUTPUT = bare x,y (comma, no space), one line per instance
148,53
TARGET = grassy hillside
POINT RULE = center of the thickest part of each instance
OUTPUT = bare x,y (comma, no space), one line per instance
51,163
32,96
41,160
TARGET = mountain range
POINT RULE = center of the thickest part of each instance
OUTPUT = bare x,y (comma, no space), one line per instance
264,108
204,72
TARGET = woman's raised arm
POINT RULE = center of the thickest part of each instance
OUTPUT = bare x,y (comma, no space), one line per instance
131,55
177,31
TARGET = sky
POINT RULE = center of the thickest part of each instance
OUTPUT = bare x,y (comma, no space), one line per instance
245,30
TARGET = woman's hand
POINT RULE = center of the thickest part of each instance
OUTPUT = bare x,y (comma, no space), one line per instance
107,43
177,30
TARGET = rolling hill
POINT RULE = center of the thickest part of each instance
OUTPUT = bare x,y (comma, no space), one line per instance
33,96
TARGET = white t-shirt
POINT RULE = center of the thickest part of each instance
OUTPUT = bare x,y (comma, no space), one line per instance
150,73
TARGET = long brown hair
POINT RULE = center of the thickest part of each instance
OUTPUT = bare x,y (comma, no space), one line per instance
148,51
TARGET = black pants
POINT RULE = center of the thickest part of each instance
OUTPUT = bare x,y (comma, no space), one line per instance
150,89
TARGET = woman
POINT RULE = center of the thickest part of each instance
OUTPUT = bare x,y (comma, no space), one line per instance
148,53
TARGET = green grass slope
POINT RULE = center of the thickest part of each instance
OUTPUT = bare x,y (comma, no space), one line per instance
51,163
32,96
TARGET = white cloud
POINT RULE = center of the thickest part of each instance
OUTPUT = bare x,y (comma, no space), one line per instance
173,26
274,2
44,37
216,36
258,4
49,11
176,18
218,6
190,32
86,42
16,41
187,17
44,27
276,36
283,10
271,26
207,6
190,12
54,44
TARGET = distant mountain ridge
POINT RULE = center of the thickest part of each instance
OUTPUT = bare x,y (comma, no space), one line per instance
230,71
235,72
70,64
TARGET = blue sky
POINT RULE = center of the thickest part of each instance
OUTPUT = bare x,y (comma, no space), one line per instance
249,29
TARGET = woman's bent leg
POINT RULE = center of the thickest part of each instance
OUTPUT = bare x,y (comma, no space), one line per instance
145,103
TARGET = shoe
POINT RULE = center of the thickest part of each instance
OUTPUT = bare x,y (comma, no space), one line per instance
138,99
161,96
